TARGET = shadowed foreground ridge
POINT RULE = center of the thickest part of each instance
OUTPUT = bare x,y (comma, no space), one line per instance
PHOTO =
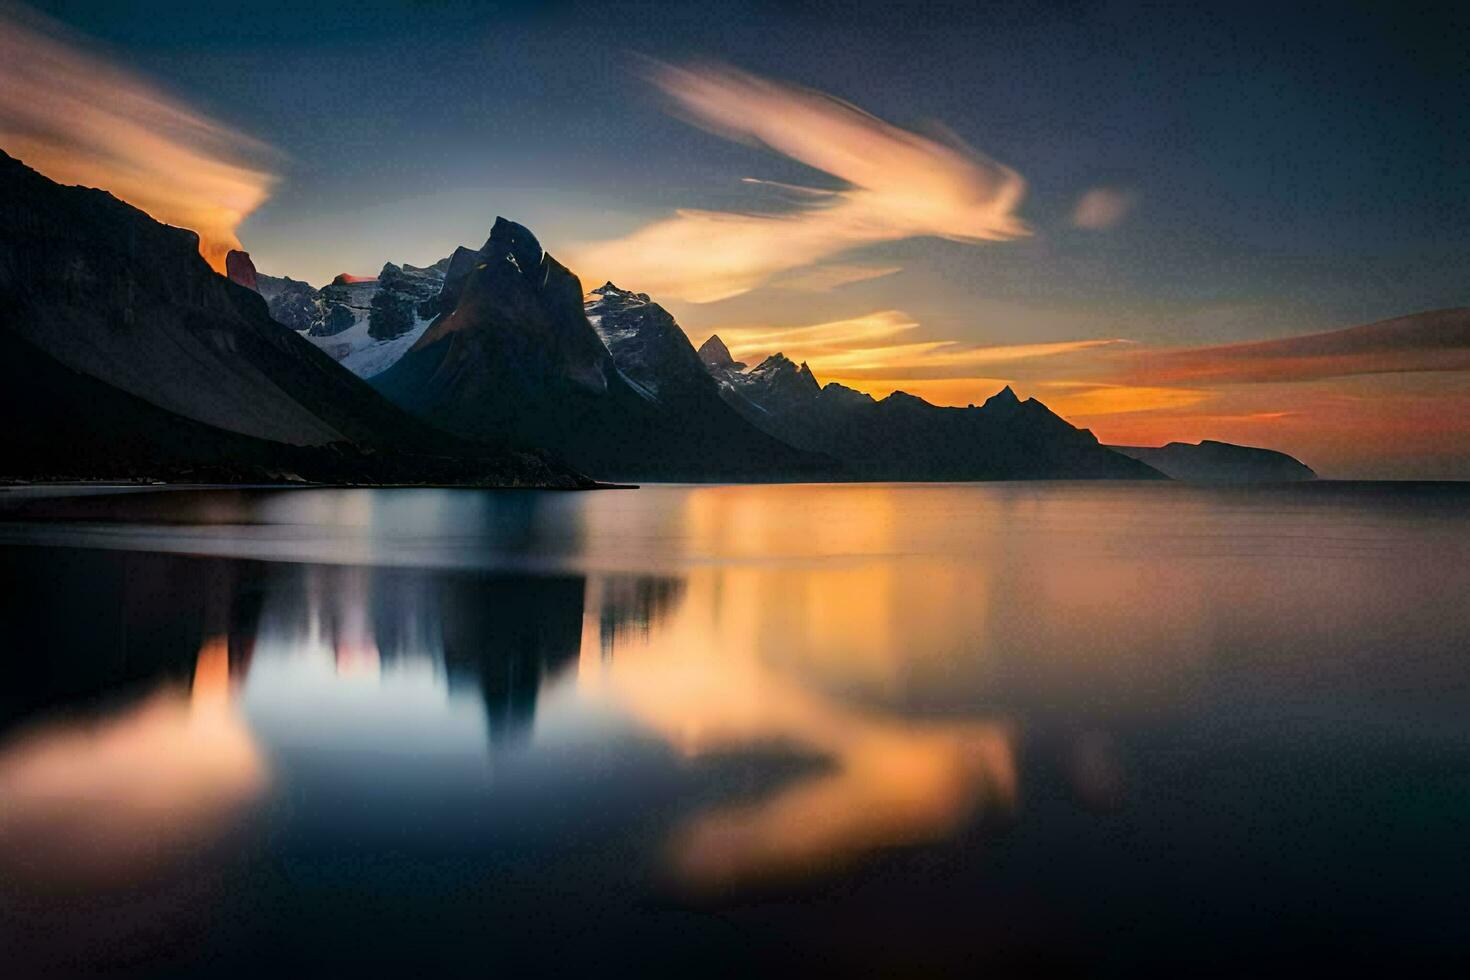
126,356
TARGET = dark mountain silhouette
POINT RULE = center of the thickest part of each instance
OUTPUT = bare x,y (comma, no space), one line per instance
1220,462
513,354
903,437
126,355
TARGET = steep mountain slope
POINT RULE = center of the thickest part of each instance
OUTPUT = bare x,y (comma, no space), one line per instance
648,347
96,295
903,437
364,324
290,302
513,354
1220,462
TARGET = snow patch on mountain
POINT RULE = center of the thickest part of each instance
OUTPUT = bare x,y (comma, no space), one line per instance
359,352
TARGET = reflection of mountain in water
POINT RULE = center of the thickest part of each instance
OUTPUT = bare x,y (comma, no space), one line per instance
631,604
499,633
80,624
507,634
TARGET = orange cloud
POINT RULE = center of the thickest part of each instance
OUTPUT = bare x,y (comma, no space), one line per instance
900,185
825,278
81,120
869,348
1082,400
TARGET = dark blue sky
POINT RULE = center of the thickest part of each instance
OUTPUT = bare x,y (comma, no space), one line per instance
1278,150
1294,166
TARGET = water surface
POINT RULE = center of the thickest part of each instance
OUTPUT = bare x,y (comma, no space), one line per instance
890,729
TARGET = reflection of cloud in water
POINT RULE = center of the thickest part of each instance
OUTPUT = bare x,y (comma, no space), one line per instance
707,690
112,798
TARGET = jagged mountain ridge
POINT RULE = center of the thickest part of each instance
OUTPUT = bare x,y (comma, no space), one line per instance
363,323
902,437
115,315
513,352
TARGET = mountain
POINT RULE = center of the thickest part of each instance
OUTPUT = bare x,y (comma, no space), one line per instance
512,353
364,323
902,437
1220,462
776,384
108,316
647,345
716,355
770,387
291,302
346,302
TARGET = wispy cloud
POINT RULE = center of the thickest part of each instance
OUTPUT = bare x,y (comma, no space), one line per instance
900,185
80,119
875,347
1438,341
1102,208
834,275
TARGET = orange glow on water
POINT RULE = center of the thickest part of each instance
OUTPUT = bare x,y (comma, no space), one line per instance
881,780
110,799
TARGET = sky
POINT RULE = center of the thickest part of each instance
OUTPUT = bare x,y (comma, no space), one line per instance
1111,207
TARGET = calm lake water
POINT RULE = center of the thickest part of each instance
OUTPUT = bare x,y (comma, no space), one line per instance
897,730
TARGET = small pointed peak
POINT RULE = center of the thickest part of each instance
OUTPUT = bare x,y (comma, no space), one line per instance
805,373
715,354
1005,398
